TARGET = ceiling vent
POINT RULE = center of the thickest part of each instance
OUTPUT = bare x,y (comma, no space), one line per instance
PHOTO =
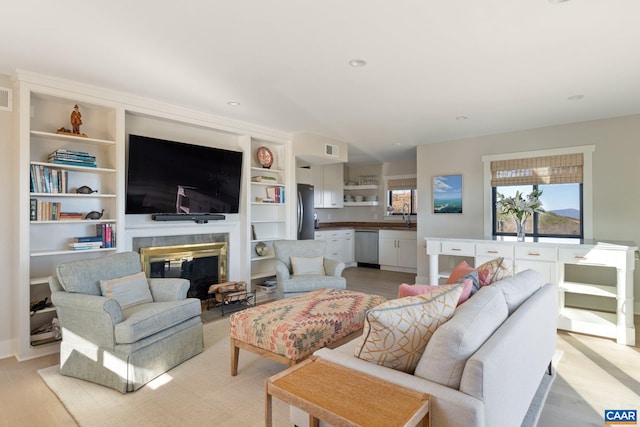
6,99
331,150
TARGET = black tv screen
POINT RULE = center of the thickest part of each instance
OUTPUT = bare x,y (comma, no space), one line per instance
174,177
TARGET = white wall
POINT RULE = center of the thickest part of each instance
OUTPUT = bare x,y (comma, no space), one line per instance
9,194
616,176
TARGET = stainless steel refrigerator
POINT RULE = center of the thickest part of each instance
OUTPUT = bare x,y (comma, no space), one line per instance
306,223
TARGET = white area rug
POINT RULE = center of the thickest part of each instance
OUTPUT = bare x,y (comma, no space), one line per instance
199,392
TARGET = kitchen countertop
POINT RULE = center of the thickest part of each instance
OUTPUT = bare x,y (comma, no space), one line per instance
399,226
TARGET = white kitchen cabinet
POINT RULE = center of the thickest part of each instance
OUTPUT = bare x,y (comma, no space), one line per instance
340,244
328,185
397,250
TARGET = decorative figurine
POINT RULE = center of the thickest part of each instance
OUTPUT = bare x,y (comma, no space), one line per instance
85,190
94,215
76,120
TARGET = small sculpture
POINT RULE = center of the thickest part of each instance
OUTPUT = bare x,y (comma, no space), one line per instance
76,120
85,190
94,215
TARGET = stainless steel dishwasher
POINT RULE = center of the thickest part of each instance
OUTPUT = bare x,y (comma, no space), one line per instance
367,248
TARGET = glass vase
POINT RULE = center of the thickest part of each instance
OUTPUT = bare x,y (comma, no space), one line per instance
520,230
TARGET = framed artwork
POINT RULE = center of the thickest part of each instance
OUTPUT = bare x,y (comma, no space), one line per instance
447,194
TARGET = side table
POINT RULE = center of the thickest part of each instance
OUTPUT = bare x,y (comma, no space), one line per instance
344,397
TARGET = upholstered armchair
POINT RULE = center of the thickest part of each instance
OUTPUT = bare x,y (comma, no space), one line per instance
301,267
120,329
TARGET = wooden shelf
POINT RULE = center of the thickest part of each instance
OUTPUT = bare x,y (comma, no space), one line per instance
74,168
74,195
376,203
362,187
75,139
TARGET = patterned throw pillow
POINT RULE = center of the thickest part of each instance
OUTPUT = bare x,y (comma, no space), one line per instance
396,332
128,291
493,271
310,265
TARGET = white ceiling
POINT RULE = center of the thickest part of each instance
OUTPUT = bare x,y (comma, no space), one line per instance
504,64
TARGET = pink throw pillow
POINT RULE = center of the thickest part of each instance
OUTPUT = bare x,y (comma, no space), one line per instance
406,290
459,272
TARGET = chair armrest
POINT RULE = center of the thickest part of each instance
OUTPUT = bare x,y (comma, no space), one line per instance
333,267
168,289
90,317
281,270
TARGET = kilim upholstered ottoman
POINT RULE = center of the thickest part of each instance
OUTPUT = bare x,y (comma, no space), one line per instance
290,330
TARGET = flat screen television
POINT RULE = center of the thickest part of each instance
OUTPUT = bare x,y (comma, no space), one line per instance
174,177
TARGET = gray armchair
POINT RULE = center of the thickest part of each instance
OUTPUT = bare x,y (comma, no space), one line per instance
289,284
122,348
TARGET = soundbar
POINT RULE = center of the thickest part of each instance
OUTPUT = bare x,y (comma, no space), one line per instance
198,218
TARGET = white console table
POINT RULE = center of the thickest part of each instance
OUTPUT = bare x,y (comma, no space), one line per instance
549,256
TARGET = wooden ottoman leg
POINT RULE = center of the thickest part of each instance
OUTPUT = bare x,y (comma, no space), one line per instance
235,351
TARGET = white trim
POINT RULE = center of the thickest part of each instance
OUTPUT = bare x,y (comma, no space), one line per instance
587,182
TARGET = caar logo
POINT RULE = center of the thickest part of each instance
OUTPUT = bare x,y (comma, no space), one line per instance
620,416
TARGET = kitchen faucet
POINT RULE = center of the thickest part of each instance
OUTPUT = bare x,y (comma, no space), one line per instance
406,215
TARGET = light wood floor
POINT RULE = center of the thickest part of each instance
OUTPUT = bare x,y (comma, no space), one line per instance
593,374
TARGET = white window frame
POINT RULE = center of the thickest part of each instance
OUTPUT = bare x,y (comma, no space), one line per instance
587,183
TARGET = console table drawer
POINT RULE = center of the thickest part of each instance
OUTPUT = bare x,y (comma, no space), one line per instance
492,250
534,253
459,248
591,257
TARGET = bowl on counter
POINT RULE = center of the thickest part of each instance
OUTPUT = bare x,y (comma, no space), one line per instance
358,198
371,198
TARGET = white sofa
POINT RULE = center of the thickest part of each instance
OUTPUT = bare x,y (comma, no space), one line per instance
488,366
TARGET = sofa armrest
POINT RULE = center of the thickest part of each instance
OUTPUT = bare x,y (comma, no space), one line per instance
281,270
448,406
333,267
168,289
89,317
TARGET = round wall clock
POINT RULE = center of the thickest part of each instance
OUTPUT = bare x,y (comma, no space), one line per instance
265,157
261,249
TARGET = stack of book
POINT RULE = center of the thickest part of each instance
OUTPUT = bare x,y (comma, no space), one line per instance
72,158
70,216
84,243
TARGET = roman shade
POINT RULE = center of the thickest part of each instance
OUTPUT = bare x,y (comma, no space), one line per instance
560,169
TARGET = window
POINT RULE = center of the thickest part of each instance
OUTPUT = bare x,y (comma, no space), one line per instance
402,196
563,211
560,179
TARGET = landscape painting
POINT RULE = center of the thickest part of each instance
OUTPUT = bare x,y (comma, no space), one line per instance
447,194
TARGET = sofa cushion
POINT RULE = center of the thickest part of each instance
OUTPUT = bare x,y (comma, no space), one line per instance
518,288
83,276
406,290
397,331
307,265
144,320
128,290
459,338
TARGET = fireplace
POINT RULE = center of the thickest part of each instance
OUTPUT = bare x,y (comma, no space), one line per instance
203,264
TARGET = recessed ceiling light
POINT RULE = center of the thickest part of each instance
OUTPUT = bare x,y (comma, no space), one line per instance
462,118
558,1
233,103
357,63
396,144
575,97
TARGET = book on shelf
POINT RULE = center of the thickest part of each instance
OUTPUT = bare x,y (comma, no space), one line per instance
107,234
272,179
40,210
85,245
71,216
86,239
48,180
276,194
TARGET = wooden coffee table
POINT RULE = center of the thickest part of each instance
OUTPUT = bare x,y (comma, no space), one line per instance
344,397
